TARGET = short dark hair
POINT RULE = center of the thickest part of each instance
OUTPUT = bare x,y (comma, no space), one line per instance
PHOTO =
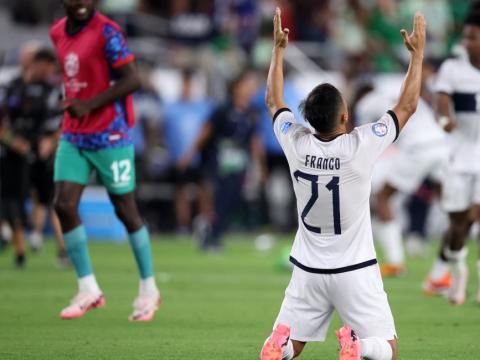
473,18
45,54
188,73
322,106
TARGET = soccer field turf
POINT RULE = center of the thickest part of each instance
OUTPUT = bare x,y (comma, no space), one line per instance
215,307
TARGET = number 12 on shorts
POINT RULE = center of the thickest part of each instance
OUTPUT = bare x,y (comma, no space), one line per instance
121,171
334,188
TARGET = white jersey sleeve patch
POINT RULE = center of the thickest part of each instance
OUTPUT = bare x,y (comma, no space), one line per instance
374,138
288,131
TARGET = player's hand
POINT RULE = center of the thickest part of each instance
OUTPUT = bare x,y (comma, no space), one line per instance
415,42
280,36
450,126
46,147
20,146
77,108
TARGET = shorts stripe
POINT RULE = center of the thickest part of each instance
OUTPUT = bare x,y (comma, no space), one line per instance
333,271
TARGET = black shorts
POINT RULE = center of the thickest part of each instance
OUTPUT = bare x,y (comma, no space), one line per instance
14,186
190,176
41,180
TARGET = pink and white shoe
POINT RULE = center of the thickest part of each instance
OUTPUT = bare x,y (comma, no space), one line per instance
81,303
144,308
458,291
349,344
273,347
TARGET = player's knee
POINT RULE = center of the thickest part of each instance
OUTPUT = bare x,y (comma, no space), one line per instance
393,343
65,208
297,348
130,218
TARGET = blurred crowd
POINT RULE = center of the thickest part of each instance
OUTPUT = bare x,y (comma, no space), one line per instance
207,74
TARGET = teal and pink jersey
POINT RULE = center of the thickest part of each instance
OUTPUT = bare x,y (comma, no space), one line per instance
88,59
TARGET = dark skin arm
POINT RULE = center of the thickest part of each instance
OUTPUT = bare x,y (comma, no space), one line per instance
128,81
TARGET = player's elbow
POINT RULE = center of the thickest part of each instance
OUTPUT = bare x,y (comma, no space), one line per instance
409,108
135,82
269,102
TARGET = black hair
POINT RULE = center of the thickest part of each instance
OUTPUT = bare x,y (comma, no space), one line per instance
45,54
188,73
322,106
473,18
233,83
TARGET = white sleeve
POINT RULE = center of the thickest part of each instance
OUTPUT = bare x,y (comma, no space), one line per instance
374,138
445,77
288,131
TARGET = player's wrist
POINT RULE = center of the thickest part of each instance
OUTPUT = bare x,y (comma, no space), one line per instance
416,56
278,49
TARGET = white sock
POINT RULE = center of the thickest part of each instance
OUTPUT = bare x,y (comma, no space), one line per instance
148,287
288,351
375,348
439,269
89,284
457,259
389,235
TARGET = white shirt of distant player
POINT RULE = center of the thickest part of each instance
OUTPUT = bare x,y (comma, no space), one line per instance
459,78
332,187
421,129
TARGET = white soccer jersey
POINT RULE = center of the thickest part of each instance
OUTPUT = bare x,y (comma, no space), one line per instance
332,186
421,129
461,80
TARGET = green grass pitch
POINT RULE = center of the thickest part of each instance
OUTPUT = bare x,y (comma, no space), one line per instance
215,307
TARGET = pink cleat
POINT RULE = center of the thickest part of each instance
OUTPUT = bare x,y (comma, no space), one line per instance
80,304
144,308
458,290
349,344
272,349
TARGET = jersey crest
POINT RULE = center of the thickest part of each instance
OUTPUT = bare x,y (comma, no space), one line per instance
72,64
285,127
380,129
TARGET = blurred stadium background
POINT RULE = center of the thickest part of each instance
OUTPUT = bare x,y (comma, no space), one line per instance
351,43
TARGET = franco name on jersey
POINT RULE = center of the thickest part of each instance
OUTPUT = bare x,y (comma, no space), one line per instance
319,163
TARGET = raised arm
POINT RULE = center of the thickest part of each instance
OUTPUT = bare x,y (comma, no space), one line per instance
410,92
274,92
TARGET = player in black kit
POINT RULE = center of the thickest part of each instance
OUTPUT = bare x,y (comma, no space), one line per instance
32,109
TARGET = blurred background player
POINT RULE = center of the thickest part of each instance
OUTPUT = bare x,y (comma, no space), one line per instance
458,86
32,107
421,151
230,137
183,120
44,68
96,135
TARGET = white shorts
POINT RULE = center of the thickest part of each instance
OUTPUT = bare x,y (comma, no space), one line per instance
357,295
460,191
406,169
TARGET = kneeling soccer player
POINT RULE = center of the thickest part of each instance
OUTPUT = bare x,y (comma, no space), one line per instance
335,266
99,76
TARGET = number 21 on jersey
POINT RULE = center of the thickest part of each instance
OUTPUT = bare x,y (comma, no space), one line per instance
333,187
